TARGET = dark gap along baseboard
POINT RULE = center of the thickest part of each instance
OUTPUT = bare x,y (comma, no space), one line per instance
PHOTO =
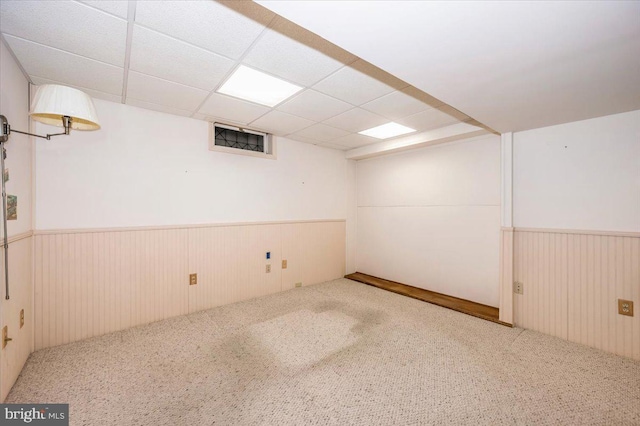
468,307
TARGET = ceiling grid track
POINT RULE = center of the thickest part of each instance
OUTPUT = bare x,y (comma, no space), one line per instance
310,87
172,60
235,66
305,87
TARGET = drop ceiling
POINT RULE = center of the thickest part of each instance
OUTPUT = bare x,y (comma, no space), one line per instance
172,56
512,65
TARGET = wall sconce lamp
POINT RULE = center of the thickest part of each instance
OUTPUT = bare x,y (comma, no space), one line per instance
55,105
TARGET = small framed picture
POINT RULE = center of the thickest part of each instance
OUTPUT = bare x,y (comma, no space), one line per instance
12,207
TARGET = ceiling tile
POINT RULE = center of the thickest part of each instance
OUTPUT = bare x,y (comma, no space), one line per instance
321,133
396,105
93,93
159,55
207,24
314,106
46,62
66,25
162,92
232,109
353,86
427,120
356,120
281,123
282,51
296,137
355,140
212,119
156,107
115,7
333,146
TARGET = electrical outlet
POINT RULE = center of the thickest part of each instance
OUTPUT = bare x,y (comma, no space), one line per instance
518,287
193,279
284,264
625,307
298,284
21,318
268,268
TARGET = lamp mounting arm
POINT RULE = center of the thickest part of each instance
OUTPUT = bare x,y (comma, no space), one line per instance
7,130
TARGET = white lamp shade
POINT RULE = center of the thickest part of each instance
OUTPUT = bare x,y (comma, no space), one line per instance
52,102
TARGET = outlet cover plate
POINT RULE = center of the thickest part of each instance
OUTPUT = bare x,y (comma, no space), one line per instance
284,264
21,318
625,307
193,279
298,284
268,269
518,287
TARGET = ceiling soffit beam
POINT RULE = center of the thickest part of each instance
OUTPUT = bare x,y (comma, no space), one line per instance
432,137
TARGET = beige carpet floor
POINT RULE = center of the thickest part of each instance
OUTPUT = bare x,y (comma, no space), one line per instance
336,353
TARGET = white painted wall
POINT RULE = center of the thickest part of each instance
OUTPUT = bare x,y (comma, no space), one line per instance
582,175
147,168
352,218
430,218
14,104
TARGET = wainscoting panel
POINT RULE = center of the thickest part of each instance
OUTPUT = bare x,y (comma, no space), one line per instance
572,283
314,251
506,275
230,263
92,282
88,284
15,354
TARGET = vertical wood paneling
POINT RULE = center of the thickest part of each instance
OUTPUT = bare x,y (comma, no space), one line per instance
506,275
635,291
96,282
315,252
87,284
15,354
292,251
518,257
230,263
572,282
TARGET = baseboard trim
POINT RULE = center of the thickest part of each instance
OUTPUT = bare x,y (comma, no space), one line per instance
464,306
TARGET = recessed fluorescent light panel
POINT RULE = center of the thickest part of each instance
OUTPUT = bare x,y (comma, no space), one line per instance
255,86
387,131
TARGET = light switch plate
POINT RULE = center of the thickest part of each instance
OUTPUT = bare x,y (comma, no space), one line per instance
193,279
21,318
